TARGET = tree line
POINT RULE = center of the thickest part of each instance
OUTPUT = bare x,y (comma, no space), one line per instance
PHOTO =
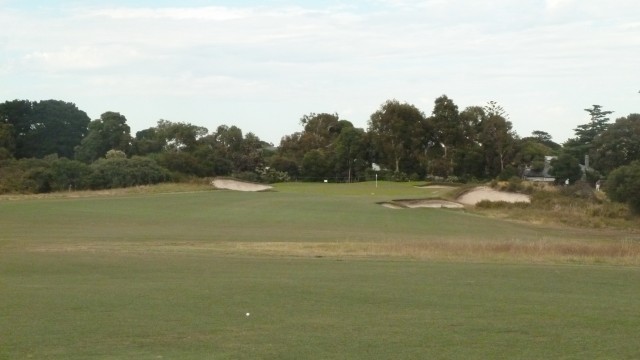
52,145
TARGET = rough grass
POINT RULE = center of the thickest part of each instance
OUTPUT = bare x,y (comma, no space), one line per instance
164,188
576,206
623,252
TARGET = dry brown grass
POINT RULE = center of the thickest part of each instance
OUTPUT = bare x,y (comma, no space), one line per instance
575,206
624,252
165,188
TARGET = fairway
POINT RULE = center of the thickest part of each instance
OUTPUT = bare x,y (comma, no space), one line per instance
323,270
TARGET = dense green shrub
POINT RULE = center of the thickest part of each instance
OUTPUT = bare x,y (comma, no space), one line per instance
382,175
69,175
37,180
623,185
182,162
566,167
486,204
316,166
283,164
537,165
508,173
249,176
119,172
400,177
580,189
592,176
270,175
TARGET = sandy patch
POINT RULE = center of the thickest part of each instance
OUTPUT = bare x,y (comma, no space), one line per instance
392,206
430,204
422,203
446,187
485,193
236,185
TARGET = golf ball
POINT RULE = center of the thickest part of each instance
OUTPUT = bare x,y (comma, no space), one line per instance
248,314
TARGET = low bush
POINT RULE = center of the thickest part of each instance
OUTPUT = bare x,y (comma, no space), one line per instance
623,185
574,205
514,184
249,176
485,204
579,189
121,172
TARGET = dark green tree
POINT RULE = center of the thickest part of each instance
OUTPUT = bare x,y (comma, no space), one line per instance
316,166
7,140
228,139
566,167
110,132
285,165
469,156
397,131
349,149
44,127
544,138
497,139
618,145
623,185
598,123
14,124
320,130
179,136
531,154
448,131
532,150
244,152
292,148
582,143
251,153
147,141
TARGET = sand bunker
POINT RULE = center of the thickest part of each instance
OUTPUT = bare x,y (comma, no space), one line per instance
236,185
430,204
422,203
485,193
447,187
392,206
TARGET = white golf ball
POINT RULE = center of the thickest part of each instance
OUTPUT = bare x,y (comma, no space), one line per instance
248,314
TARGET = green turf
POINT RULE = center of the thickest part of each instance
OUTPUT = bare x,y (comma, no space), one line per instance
97,277
289,214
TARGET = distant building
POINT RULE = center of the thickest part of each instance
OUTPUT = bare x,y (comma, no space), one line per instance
542,176
545,176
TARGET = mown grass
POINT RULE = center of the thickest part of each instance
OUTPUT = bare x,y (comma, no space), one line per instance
193,305
322,269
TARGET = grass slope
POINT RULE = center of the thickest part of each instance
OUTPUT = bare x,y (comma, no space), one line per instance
323,271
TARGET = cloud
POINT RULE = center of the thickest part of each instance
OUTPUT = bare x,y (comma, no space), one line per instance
79,58
296,59
558,5
213,13
631,25
206,13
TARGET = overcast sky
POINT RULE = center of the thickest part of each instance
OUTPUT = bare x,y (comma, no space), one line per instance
261,65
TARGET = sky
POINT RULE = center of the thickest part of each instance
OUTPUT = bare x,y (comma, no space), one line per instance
262,65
